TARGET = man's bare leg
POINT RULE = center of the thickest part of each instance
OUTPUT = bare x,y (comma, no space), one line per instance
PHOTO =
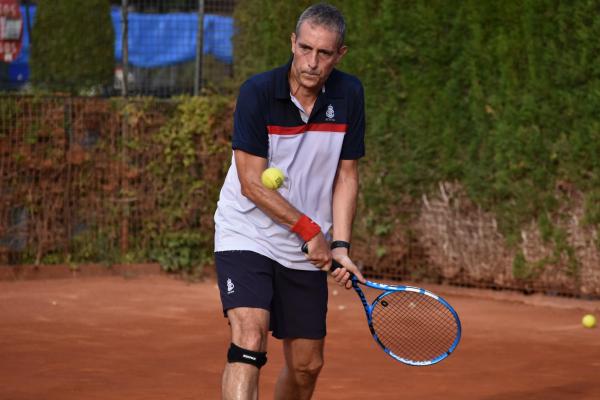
303,363
249,330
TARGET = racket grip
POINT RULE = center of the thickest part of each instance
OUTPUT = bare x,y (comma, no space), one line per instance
334,264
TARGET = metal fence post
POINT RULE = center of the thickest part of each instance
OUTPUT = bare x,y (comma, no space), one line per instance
199,49
124,180
125,46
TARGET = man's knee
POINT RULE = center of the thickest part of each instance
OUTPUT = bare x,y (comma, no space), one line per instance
251,339
249,328
307,368
304,358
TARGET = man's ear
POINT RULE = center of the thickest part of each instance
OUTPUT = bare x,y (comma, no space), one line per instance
341,53
293,41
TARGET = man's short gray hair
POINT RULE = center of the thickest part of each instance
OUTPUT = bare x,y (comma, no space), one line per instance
324,15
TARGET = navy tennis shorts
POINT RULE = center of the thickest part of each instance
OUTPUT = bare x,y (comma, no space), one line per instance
296,300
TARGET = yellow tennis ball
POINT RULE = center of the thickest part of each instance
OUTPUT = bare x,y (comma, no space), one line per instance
272,178
589,321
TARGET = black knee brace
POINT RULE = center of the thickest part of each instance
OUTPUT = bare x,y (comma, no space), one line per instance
237,354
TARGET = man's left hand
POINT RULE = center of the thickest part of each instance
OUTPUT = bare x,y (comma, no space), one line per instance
342,275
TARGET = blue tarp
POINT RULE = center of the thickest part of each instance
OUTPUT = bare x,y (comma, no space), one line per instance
155,40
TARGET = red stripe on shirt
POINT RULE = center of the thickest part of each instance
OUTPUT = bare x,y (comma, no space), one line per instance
314,127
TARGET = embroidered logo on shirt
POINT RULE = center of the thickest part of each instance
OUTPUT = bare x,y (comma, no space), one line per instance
230,286
330,114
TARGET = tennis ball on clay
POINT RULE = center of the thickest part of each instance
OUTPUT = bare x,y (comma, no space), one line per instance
272,178
589,321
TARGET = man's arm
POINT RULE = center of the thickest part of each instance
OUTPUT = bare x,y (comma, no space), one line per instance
249,169
345,194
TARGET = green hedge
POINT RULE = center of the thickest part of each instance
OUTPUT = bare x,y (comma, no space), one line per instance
502,97
73,46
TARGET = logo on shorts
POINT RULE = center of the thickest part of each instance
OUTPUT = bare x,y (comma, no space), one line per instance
330,114
230,286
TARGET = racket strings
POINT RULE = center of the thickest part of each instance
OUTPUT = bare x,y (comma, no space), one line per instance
414,326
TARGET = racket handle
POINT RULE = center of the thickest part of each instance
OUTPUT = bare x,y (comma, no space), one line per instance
334,264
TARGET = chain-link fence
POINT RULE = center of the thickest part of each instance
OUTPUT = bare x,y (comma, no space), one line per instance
95,180
158,48
88,179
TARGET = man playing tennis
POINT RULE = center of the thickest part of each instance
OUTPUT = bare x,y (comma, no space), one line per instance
307,119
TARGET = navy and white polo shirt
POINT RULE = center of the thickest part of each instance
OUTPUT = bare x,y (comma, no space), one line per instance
270,123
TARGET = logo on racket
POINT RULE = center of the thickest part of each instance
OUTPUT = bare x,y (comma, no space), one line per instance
230,286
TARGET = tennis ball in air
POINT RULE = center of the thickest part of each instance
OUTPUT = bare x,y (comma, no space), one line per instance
272,178
589,321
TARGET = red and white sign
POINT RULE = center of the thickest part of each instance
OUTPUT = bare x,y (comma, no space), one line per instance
11,30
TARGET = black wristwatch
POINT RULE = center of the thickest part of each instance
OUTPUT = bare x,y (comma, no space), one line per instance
340,243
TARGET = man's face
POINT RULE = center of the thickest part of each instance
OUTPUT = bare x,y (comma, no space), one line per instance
316,51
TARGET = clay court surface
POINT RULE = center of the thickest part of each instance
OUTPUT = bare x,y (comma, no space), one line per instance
156,337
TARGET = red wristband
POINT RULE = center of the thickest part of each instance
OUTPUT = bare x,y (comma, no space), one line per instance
306,228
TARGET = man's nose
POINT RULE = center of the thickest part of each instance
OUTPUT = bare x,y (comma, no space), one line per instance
313,60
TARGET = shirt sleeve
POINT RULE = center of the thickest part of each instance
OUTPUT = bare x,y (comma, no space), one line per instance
353,147
249,125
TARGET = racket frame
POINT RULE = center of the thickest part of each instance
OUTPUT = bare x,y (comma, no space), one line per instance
389,289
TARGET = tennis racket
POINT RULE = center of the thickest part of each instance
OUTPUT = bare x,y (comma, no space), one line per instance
411,325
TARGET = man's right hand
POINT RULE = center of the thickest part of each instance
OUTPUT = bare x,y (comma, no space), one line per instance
319,253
